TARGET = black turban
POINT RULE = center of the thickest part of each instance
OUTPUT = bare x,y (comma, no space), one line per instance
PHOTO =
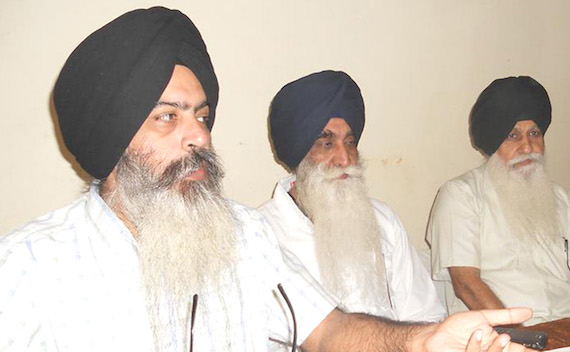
502,104
302,108
113,79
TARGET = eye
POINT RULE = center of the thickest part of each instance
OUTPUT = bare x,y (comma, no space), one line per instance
535,133
203,119
165,117
513,135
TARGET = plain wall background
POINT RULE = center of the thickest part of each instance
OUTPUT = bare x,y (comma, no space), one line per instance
420,65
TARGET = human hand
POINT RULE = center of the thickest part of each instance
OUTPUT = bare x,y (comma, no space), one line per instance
501,343
459,332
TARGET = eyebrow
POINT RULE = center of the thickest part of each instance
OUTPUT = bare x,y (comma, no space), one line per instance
181,105
326,134
329,134
533,127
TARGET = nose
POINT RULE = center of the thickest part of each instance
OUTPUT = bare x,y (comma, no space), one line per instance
194,134
526,145
341,157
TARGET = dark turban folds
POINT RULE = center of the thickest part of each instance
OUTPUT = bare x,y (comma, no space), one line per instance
302,108
502,104
113,79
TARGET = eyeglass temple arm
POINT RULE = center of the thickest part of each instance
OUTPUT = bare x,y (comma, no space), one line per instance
294,347
192,318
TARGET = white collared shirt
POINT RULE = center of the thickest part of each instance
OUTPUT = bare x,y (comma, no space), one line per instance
411,291
69,281
467,228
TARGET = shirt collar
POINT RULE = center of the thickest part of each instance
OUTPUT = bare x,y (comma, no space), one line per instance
104,219
281,195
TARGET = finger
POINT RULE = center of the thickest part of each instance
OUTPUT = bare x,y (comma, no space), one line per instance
474,343
507,316
500,343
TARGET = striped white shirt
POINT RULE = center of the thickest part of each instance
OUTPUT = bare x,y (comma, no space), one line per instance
69,281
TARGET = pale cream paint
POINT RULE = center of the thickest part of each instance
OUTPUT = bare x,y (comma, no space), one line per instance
420,65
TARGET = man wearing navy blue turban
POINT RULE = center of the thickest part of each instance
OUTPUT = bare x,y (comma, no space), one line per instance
499,232
153,257
354,245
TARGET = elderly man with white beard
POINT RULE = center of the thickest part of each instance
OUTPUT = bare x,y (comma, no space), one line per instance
499,232
153,257
354,245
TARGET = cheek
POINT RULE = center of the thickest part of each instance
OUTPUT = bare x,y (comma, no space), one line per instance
353,153
506,152
157,154
137,144
539,146
326,158
161,148
316,155
316,158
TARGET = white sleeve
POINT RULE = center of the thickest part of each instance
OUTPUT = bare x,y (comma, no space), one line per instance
453,231
413,291
310,302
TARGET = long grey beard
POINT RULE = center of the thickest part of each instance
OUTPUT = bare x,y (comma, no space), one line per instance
347,234
527,199
186,237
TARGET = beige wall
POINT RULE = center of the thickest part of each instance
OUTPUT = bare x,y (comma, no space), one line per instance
420,64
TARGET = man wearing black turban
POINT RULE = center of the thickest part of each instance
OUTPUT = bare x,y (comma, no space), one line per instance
355,246
118,269
153,257
501,229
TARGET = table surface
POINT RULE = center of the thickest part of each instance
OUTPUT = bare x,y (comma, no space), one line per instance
558,332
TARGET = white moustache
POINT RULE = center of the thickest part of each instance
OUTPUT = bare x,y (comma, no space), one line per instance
534,157
333,173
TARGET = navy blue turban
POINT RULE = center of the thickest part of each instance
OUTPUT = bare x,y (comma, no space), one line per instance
302,108
502,104
113,79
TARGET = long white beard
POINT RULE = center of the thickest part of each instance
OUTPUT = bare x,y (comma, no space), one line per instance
347,234
527,199
187,246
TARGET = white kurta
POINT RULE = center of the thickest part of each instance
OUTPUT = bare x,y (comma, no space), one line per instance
467,228
412,293
69,281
